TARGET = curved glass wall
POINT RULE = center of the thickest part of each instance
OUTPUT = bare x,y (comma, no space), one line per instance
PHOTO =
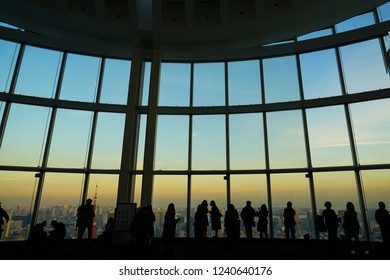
302,127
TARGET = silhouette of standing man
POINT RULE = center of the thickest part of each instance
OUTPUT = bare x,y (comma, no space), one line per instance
3,215
85,215
383,219
331,221
289,221
248,216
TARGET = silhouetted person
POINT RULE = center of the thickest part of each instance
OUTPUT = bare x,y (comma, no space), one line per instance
215,215
85,215
140,231
232,224
331,221
151,218
3,216
58,232
262,224
205,217
38,234
383,219
351,224
106,235
169,228
289,221
248,217
200,222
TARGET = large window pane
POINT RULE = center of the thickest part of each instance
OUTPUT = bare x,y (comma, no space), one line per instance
384,12
246,141
115,86
338,188
246,187
80,78
107,150
209,142
175,84
364,68
61,196
356,22
320,75
244,82
16,192
208,187
170,189
328,134
39,72
209,84
8,54
372,130
252,187
294,188
315,34
103,190
286,140
172,143
24,135
70,139
281,79
376,188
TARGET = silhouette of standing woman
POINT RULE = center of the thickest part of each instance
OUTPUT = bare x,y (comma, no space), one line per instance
215,215
262,224
289,221
232,223
169,228
351,224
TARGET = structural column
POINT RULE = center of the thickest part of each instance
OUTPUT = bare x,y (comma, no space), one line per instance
151,128
130,138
